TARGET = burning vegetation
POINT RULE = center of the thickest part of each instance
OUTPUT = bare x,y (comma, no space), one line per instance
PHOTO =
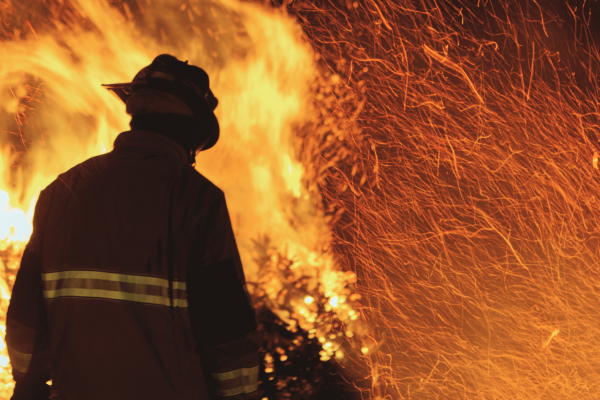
426,167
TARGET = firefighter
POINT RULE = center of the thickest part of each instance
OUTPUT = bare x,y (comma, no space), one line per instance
131,286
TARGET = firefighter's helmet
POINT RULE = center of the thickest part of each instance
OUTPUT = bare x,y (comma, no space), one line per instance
187,82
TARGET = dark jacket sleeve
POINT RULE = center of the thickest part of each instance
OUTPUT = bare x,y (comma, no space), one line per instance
27,334
221,312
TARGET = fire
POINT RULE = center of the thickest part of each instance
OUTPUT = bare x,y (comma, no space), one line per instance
452,147
457,162
15,224
51,90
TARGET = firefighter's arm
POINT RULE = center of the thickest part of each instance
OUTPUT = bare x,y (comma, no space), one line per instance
222,314
27,334
227,335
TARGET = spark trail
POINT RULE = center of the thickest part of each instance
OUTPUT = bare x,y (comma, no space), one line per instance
454,160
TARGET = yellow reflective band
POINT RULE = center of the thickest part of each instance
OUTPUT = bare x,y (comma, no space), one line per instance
20,361
179,285
224,376
17,354
245,379
19,368
107,285
251,388
109,276
238,390
114,295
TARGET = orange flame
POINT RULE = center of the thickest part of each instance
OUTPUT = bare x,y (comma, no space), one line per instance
261,70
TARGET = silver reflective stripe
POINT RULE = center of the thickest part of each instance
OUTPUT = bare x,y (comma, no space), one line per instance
223,376
107,285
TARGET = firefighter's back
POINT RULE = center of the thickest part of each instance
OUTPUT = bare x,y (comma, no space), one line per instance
116,247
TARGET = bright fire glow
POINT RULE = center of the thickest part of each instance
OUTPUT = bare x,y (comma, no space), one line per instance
15,226
455,147
53,77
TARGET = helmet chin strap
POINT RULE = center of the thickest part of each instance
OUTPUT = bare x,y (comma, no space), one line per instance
192,157
194,151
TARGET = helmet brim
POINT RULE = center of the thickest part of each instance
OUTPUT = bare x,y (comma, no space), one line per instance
124,90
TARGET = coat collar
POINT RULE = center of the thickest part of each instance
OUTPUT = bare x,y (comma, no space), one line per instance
151,142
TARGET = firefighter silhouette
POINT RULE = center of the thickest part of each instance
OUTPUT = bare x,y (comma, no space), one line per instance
131,286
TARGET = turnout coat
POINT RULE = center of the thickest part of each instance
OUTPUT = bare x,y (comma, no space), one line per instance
131,286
